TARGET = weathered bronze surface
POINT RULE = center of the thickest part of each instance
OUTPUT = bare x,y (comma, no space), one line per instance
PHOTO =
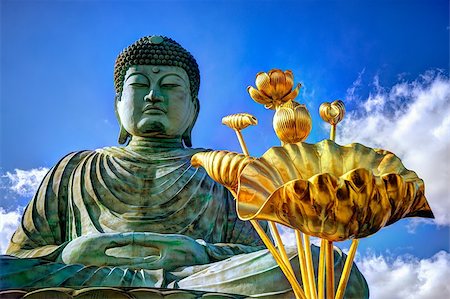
141,215
116,293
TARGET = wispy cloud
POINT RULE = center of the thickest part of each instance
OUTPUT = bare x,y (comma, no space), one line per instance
411,119
23,182
9,221
352,90
406,277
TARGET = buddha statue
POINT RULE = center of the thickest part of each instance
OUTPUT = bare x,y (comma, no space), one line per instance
140,215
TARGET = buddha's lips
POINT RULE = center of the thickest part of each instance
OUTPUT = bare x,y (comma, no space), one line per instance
150,108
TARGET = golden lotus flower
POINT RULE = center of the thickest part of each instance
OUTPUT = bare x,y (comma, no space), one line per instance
239,121
274,88
292,122
324,190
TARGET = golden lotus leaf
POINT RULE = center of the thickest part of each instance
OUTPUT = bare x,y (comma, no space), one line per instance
222,166
324,190
274,88
239,121
292,122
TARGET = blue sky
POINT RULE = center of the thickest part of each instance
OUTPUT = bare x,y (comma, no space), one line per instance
57,91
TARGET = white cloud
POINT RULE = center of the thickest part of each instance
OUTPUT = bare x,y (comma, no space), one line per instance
402,277
411,119
24,182
407,277
352,91
9,221
288,236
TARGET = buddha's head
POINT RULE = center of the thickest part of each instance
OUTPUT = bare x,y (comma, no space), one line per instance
157,83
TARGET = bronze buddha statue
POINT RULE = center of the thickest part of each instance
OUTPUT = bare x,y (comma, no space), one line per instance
140,215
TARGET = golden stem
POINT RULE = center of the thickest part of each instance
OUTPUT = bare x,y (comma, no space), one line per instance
242,142
321,274
347,269
302,259
333,133
309,266
289,275
287,270
279,244
329,267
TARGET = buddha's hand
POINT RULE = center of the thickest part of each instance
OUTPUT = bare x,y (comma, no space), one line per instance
174,251
136,250
93,249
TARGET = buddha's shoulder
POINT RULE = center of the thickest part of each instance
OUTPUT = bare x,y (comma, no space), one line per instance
129,154
74,157
125,151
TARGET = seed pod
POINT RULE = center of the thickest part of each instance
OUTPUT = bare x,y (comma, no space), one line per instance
239,121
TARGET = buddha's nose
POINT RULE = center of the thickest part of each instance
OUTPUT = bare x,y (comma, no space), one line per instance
153,96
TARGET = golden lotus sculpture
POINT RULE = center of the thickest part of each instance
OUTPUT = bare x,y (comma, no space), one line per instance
324,190
292,122
274,88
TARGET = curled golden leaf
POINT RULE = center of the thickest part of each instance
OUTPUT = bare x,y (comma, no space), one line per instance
278,83
222,166
239,121
330,191
258,97
333,112
293,94
262,83
289,77
292,122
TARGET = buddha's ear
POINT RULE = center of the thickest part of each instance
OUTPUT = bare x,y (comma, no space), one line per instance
123,134
117,99
186,137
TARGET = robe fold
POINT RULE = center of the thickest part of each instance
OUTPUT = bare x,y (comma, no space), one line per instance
140,188
114,190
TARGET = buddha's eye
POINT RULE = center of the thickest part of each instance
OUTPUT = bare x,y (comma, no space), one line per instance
137,81
169,85
171,81
138,84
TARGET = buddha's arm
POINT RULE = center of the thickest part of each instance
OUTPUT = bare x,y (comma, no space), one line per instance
221,251
42,232
240,236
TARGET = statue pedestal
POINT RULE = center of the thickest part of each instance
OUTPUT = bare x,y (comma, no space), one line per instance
109,292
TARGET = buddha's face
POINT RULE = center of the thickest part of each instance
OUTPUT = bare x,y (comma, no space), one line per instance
156,101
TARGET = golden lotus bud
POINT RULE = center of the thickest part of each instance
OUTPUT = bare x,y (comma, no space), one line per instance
333,112
292,122
274,88
239,121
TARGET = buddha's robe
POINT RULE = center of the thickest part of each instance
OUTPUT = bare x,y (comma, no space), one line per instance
142,189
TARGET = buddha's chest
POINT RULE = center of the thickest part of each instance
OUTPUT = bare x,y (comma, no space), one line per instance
170,198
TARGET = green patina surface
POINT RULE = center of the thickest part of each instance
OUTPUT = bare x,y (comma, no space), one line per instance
140,215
